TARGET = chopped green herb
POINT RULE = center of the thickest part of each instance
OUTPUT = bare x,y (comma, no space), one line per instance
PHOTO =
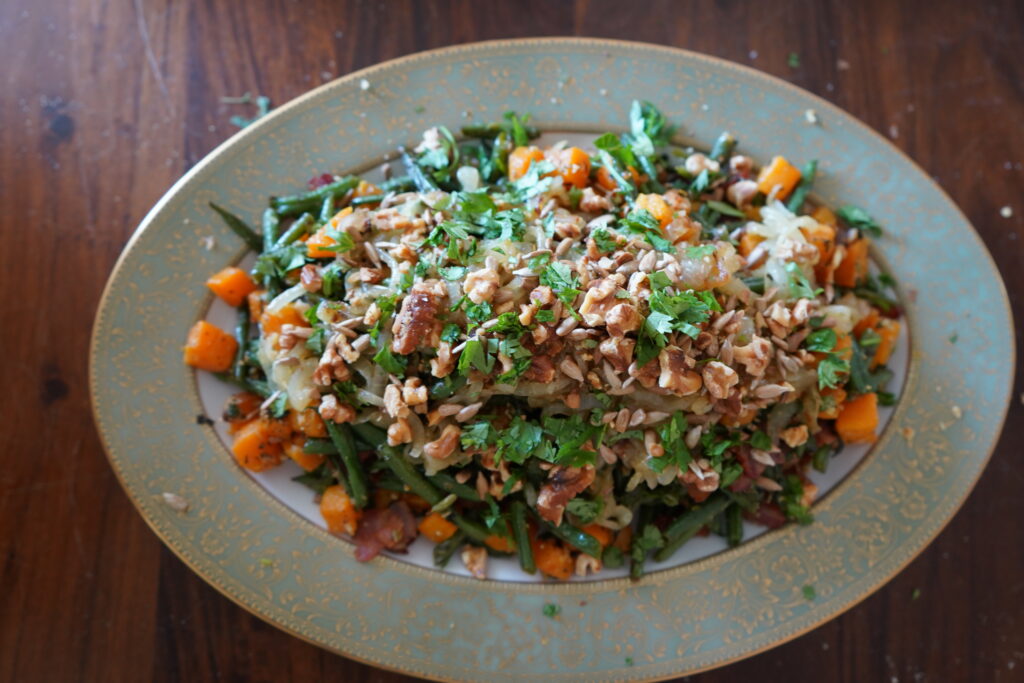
860,219
809,592
551,610
793,60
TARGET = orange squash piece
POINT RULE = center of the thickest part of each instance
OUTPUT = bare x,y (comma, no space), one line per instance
338,510
520,159
854,266
552,558
365,189
779,173
823,236
657,206
825,216
888,330
232,285
866,323
832,401
500,544
255,302
604,535
308,422
605,179
748,242
254,449
437,528
858,419
286,315
573,164
318,243
209,348
307,461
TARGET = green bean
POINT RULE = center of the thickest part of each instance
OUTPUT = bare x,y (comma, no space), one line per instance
575,537
240,228
807,173
734,524
443,551
242,337
374,436
327,208
299,228
637,550
521,534
447,483
421,180
405,471
319,447
723,147
253,386
402,183
271,224
489,130
308,201
367,199
688,524
341,435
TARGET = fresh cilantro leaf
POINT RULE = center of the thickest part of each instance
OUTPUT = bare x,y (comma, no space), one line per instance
793,60
612,557
799,285
333,279
279,406
658,280
831,371
563,281
823,340
478,313
520,440
730,473
642,222
648,539
342,241
862,379
451,333
551,610
870,339
508,323
452,273
317,341
390,362
475,355
539,262
760,441
478,435
585,511
386,304
673,434
318,480
860,219
701,182
604,240
544,315
701,251
808,592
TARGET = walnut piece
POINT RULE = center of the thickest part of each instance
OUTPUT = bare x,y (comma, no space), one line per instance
621,319
331,409
417,322
481,285
719,379
445,444
475,559
754,356
564,484
676,375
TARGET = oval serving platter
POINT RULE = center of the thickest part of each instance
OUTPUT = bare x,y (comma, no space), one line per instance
266,557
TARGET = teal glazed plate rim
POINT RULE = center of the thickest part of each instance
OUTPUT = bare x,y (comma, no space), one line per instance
697,616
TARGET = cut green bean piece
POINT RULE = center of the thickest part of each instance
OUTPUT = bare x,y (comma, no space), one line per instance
255,386
421,180
271,224
577,538
521,534
405,471
319,447
240,228
367,199
242,337
400,184
374,436
295,204
299,228
447,483
734,525
685,527
341,436
723,147
327,208
443,551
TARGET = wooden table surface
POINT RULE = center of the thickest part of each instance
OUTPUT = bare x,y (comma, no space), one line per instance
105,103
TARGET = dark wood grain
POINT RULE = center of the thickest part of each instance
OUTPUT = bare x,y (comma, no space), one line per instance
104,104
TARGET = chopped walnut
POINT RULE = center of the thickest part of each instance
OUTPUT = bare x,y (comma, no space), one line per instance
372,276
480,285
443,365
754,356
310,278
591,202
741,165
621,319
399,432
393,403
332,366
675,374
417,322
618,351
414,392
719,378
331,409
568,225
798,252
742,192
795,436
697,162
445,445
779,319
475,559
564,484
598,300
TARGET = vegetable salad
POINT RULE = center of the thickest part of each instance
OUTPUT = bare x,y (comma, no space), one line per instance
579,357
